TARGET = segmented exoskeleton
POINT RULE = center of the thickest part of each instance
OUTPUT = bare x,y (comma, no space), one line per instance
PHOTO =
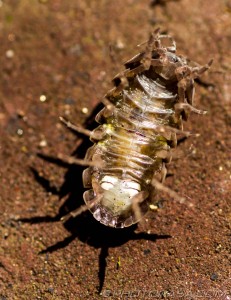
139,124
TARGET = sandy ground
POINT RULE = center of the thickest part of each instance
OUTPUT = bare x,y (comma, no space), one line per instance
58,58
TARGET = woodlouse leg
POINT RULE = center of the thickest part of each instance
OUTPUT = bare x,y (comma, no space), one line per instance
186,89
136,200
154,43
138,58
74,127
159,186
159,62
130,73
185,84
110,106
121,83
166,156
169,158
155,33
174,139
186,76
197,71
163,173
134,59
176,154
190,91
144,67
145,58
74,213
158,36
181,91
168,132
81,209
186,108
82,162
171,48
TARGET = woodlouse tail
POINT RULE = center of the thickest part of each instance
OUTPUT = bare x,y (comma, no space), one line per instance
117,213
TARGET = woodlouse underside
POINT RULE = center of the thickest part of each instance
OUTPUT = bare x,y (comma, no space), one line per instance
138,128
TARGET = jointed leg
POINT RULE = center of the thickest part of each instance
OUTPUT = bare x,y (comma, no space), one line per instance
186,108
172,48
163,173
82,162
81,209
159,186
74,127
136,201
145,59
174,139
186,76
153,43
121,82
197,71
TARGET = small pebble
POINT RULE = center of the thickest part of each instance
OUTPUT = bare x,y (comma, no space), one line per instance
214,277
85,110
11,37
43,98
43,143
119,44
153,207
10,53
50,290
147,251
19,132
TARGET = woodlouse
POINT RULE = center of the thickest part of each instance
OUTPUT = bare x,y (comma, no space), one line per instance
139,124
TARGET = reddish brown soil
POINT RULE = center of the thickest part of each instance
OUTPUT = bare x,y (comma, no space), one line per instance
60,49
